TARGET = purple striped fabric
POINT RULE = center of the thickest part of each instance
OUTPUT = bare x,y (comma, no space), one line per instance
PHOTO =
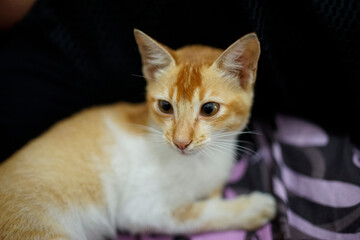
331,182
314,175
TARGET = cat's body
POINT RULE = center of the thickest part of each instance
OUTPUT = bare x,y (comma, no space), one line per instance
140,167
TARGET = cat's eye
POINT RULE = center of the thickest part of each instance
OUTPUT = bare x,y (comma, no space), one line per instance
210,109
165,107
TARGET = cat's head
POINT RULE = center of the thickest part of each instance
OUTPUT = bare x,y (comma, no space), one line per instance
198,94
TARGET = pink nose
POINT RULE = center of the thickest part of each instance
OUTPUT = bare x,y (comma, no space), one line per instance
182,145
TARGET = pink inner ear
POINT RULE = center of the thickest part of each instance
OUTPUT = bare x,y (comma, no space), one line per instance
244,78
240,66
154,55
241,59
243,73
248,59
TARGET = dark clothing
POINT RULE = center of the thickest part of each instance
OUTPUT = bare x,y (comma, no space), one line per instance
65,56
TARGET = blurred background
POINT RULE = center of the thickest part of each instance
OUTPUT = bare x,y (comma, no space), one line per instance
57,57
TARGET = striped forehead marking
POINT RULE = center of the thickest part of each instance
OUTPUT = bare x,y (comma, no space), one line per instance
188,80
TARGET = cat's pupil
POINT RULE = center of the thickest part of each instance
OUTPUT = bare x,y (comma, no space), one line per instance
165,106
210,109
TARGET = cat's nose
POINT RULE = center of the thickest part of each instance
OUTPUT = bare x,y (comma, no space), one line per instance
182,145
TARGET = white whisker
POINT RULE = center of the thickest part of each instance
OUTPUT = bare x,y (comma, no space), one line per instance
228,134
141,76
212,148
205,152
234,141
233,145
221,150
251,132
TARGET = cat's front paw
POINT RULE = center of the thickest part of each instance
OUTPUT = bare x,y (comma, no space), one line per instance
261,209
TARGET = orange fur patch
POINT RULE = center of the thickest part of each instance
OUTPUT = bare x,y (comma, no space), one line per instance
191,60
189,212
60,170
132,115
188,80
197,54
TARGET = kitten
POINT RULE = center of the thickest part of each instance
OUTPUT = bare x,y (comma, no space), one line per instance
142,167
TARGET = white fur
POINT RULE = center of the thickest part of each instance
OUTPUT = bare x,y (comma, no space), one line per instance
144,184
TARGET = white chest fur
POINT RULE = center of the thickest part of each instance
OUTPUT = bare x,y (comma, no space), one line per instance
148,179
144,183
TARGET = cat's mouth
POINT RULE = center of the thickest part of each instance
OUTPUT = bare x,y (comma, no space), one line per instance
187,152
184,152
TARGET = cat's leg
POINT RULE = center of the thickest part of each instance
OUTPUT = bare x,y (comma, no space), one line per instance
246,212
217,193
151,214
30,227
30,234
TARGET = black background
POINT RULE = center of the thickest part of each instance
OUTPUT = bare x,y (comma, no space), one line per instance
68,55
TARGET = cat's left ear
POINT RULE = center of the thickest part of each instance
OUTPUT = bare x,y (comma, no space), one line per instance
156,58
240,60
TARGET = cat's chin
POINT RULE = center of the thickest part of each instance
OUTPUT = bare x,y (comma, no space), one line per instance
192,152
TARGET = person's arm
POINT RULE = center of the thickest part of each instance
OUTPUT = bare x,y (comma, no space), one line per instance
12,11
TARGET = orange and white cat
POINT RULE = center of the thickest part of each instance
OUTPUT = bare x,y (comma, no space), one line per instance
142,167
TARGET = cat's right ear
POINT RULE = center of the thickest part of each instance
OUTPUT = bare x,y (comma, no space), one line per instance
156,58
240,60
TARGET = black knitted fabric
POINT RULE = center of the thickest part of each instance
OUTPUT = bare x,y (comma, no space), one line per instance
311,57
68,55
